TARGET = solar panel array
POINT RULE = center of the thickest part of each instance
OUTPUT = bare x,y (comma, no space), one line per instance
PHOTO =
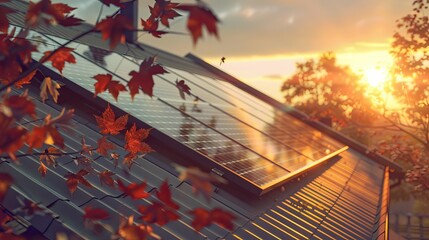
226,125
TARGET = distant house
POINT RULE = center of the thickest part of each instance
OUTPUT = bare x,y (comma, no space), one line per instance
288,177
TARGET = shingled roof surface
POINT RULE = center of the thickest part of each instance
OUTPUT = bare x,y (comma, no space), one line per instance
344,198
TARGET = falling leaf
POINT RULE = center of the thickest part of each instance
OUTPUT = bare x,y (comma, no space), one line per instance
158,213
151,26
42,169
128,230
108,124
201,181
59,58
86,149
6,181
204,218
4,22
164,195
144,77
183,88
104,146
13,139
105,82
48,13
163,11
134,190
222,60
134,138
25,80
30,208
50,155
18,106
129,159
49,86
106,178
95,214
114,28
74,179
199,16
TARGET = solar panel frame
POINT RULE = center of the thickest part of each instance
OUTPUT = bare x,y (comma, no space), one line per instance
255,186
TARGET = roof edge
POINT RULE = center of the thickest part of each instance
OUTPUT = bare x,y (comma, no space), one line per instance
298,114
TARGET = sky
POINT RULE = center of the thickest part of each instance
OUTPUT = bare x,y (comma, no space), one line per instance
262,40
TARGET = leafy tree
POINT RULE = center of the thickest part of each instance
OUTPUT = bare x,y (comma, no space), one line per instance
17,69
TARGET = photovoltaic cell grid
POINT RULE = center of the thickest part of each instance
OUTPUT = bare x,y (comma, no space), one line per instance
221,126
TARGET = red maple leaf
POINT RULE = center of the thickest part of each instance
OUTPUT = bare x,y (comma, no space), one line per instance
160,212
48,133
4,22
13,139
134,138
199,16
25,80
114,28
95,214
86,149
50,13
104,146
49,155
144,78
74,179
106,178
42,169
134,190
5,181
105,82
18,106
108,124
183,88
59,58
164,11
203,218
151,26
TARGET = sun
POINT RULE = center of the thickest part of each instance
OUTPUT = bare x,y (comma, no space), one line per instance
375,77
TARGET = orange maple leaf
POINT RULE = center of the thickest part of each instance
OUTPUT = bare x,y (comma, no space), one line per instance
104,146
203,218
106,178
114,28
199,16
108,124
144,77
134,190
95,214
128,230
13,139
50,13
49,86
105,82
59,57
134,138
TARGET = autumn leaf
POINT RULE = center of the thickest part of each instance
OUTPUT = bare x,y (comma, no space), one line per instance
129,159
42,169
158,213
114,28
108,124
50,155
48,133
6,181
13,139
4,22
183,88
74,179
144,77
128,230
134,190
204,218
106,178
164,195
18,106
48,13
104,146
163,11
201,182
49,87
134,138
95,214
199,16
59,58
151,26
30,208
25,80
105,82
86,149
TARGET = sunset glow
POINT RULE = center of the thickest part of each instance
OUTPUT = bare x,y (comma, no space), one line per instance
375,77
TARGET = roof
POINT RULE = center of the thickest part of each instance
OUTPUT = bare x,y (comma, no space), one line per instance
343,197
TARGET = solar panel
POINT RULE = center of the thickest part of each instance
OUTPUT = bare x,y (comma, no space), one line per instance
223,126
